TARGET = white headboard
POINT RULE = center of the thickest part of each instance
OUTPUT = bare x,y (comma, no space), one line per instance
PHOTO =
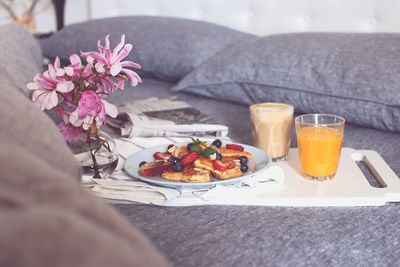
263,17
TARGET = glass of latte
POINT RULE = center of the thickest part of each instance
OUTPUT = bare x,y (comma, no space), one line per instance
271,127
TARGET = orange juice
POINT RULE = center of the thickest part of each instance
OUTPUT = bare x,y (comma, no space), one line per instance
319,150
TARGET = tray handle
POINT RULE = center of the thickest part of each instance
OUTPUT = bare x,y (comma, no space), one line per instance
381,171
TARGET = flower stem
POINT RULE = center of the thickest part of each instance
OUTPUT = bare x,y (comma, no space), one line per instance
92,153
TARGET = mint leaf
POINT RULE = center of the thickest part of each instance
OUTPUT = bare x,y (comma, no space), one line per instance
209,151
196,148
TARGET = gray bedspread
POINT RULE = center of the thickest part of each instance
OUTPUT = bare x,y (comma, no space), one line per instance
271,236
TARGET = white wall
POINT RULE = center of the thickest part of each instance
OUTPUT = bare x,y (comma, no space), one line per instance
255,16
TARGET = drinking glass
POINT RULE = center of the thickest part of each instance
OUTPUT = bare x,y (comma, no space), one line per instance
271,126
319,141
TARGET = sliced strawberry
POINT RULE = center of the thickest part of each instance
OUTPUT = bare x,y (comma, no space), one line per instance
171,148
223,166
170,145
191,157
162,156
154,168
235,147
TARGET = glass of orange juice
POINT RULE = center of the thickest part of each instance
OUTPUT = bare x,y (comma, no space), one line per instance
319,141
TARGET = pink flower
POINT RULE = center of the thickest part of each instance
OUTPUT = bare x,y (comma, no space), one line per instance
77,69
91,108
110,61
48,85
71,133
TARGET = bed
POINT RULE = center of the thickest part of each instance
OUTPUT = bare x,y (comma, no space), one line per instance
266,236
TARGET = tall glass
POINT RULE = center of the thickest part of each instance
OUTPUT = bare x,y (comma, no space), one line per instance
319,141
271,126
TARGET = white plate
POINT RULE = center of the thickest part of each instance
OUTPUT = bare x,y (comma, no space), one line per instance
131,166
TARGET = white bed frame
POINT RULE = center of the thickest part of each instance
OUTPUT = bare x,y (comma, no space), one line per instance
262,17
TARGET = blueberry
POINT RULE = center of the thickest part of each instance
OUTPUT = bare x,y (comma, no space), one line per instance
243,160
217,143
189,146
177,167
141,163
244,168
174,160
218,156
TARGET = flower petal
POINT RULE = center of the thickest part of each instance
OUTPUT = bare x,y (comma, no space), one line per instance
131,64
121,55
65,87
107,41
75,59
57,63
52,100
51,72
132,76
99,67
120,45
74,120
111,110
87,71
115,69
60,72
69,71
97,56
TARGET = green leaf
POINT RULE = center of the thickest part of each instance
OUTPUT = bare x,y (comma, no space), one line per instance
196,148
196,141
209,151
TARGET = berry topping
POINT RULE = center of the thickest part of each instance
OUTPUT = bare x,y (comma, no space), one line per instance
177,168
235,147
223,166
218,156
217,143
189,146
162,155
244,168
154,168
171,148
191,157
141,163
174,160
243,160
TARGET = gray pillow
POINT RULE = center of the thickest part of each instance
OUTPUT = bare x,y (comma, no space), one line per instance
51,220
167,48
20,57
353,75
25,124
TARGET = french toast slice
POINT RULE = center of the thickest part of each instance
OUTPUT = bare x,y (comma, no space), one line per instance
189,174
204,163
196,175
231,153
172,176
228,174
180,151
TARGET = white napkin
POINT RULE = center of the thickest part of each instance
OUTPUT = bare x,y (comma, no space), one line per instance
132,191
249,191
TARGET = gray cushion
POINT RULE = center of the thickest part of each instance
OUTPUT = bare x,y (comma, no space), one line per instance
353,75
25,124
50,220
167,48
20,57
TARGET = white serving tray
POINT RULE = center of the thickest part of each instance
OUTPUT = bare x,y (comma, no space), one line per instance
348,188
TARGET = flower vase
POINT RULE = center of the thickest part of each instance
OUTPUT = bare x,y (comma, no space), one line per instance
96,155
